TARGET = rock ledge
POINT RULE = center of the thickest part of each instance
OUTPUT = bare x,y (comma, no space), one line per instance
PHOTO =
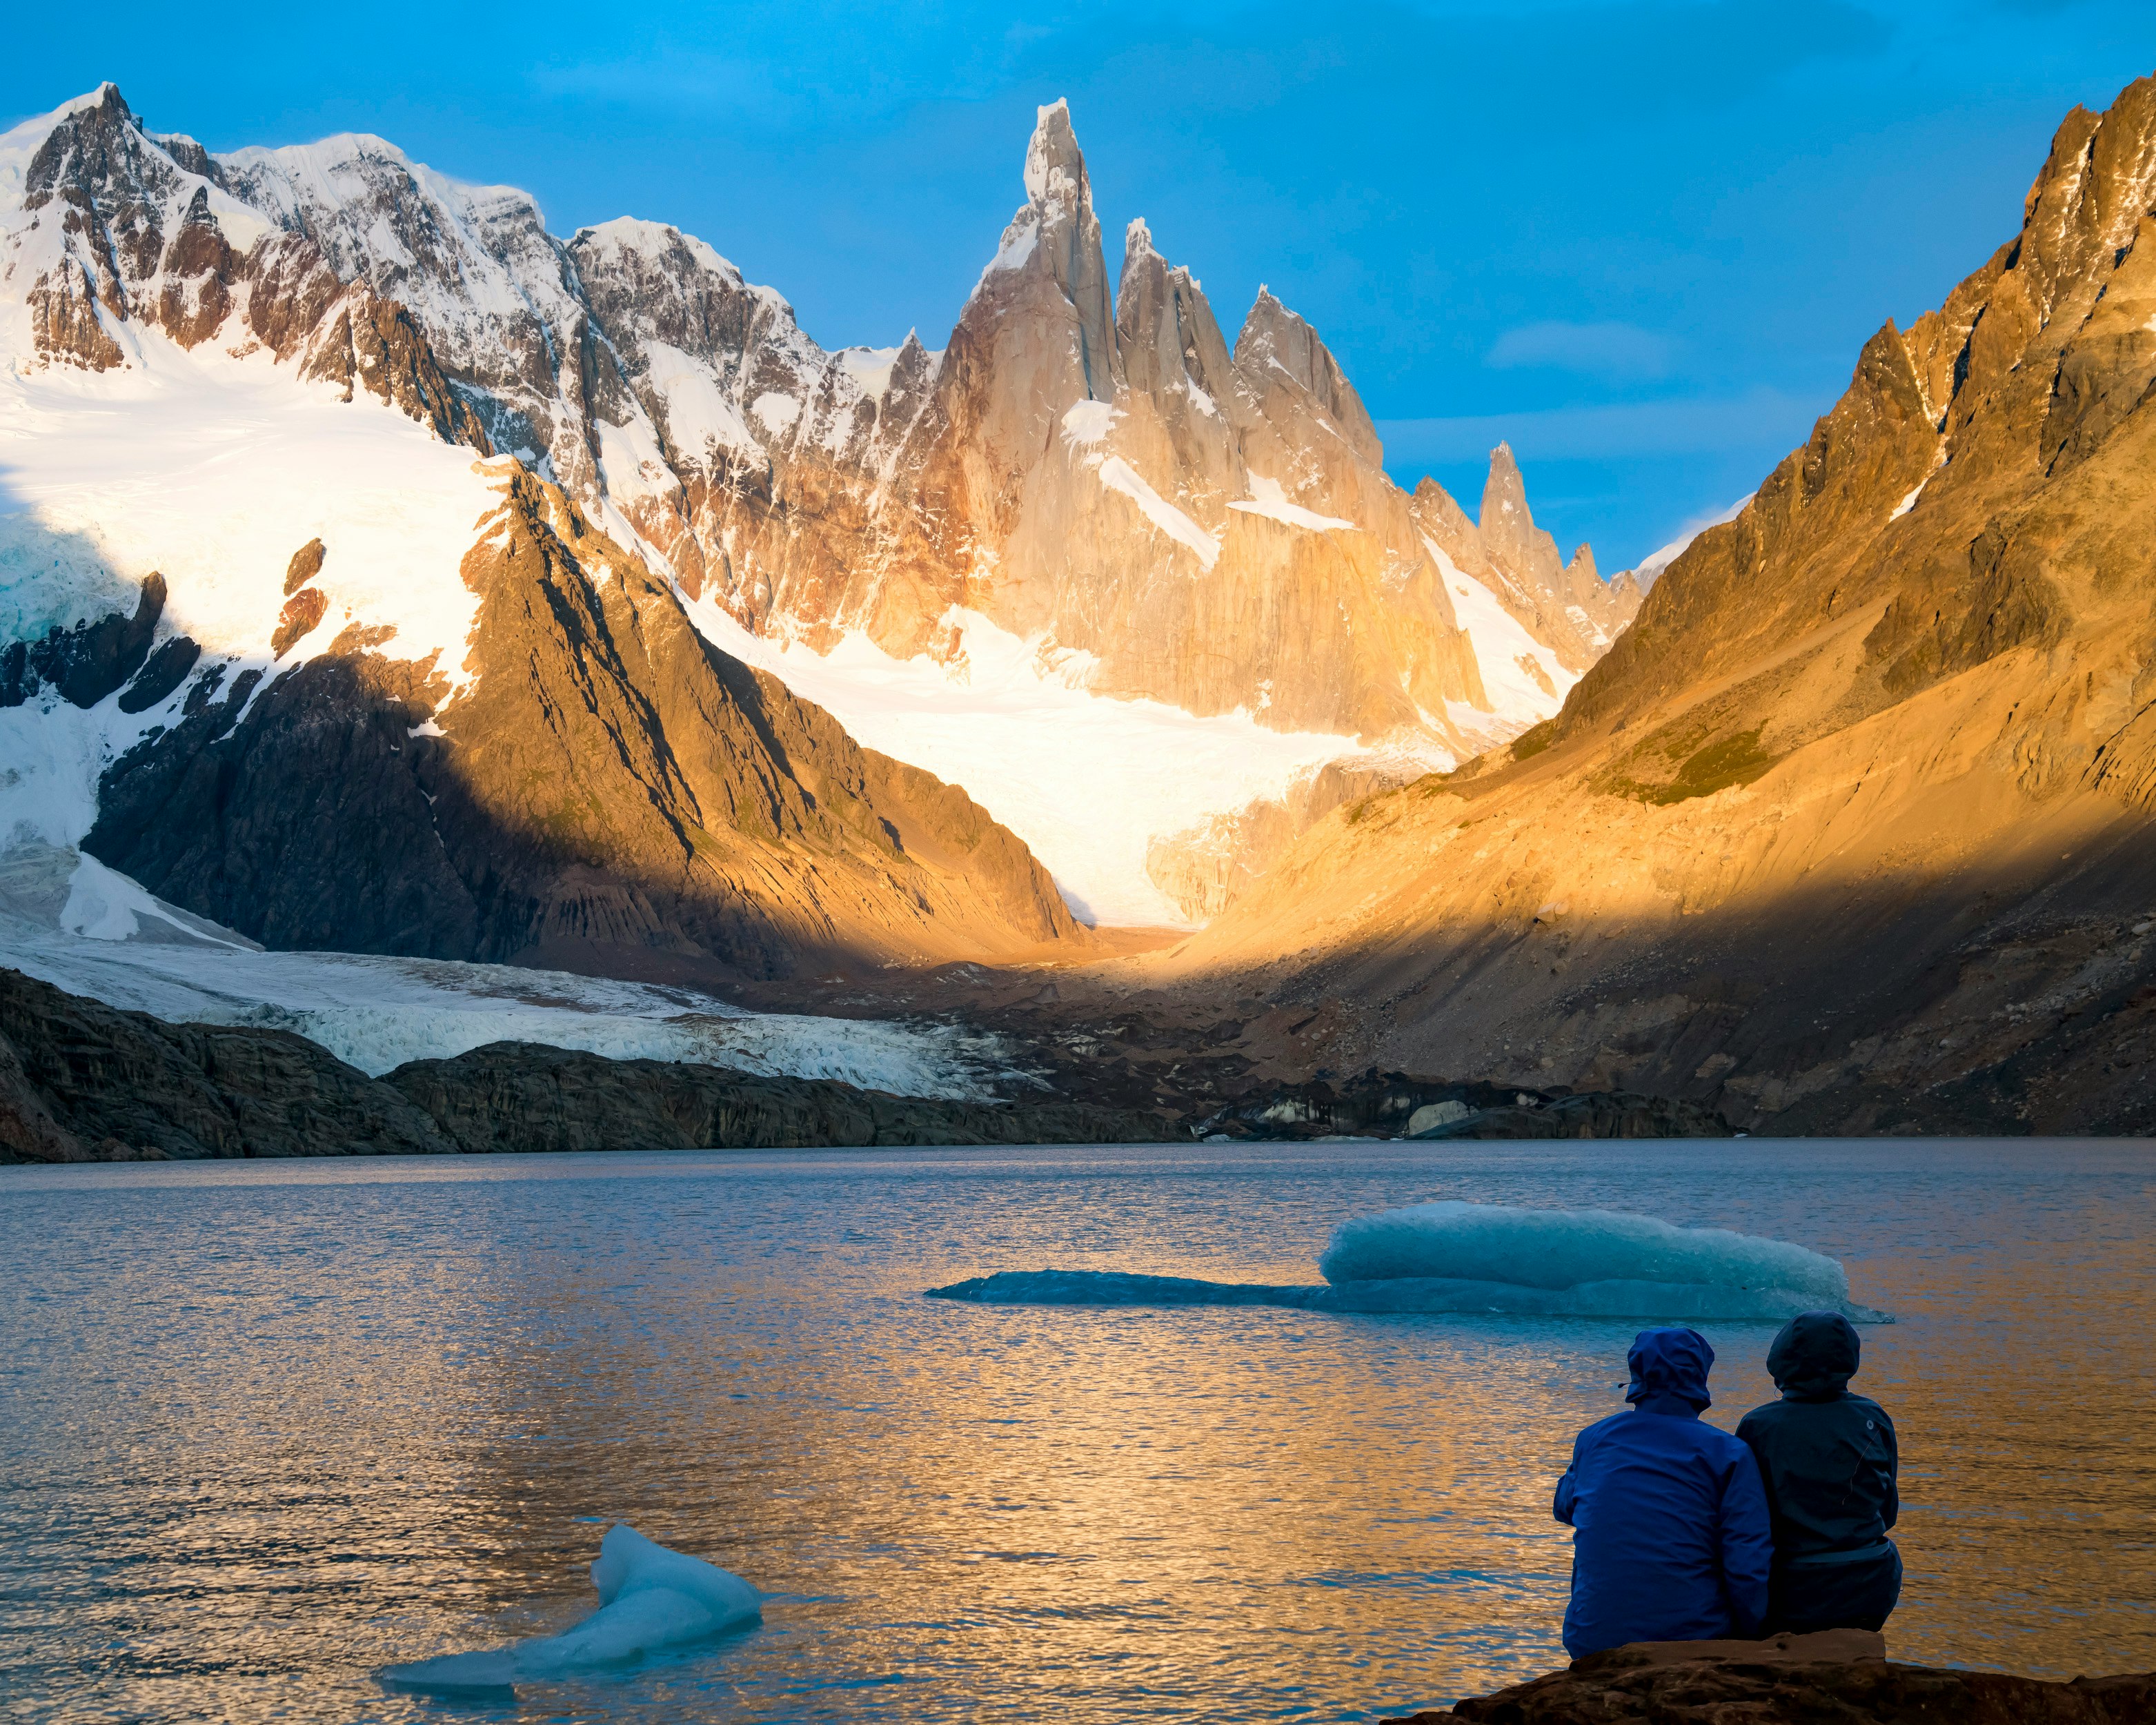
1836,1677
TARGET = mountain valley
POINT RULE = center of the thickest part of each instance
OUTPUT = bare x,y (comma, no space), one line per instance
384,575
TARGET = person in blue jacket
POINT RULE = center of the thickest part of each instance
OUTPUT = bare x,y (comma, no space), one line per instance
1671,1539
1830,1460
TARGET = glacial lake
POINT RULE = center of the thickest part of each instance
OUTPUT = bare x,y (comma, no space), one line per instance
267,1427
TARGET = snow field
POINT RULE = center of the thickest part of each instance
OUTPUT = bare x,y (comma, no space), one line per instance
213,470
1086,780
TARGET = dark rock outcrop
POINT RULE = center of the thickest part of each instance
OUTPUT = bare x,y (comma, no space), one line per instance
1590,1114
302,613
1837,1678
307,563
162,672
82,1081
519,1095
88,662
1392,1105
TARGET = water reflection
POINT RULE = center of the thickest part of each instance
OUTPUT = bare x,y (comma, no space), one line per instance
268,1427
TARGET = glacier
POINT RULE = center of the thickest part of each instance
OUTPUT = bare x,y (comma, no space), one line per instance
651,1599
1492,1260
67,920
1086,780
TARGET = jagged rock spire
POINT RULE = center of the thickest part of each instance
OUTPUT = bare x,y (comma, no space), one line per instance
1276,339
1166,334
1057,235
1508,526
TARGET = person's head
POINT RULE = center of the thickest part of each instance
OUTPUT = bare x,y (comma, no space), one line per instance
1669,1364
1815,1357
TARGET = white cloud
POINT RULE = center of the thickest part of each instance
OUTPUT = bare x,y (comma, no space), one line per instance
1616,351
1763,420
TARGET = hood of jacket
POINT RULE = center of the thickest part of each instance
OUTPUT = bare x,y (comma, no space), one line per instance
1669,1370
1815,1357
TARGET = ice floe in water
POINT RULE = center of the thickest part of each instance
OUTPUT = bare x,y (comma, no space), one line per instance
1487,1258
651,1599
1551,1249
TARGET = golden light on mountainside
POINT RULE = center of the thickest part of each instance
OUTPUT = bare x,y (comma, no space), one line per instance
1857,808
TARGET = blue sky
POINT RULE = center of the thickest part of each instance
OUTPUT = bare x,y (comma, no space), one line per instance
1643,240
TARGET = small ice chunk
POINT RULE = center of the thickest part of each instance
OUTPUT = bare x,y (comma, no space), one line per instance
649,1599
1433,1115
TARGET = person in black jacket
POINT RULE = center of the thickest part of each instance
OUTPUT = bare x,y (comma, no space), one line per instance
1828,1460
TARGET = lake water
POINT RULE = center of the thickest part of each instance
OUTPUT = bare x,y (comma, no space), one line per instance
266,1427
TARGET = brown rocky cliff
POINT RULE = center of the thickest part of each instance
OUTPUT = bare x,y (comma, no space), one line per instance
610,792
1850,831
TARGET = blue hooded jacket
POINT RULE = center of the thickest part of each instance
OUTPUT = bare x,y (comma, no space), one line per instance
1671,1537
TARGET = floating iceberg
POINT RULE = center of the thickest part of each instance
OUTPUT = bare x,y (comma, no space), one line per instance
1563,1248
649,1599
1487,1258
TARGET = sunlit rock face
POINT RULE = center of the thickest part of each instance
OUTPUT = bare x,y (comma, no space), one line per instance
1851,829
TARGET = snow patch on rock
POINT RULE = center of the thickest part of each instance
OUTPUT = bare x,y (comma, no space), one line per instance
1507,656
1118,475
1268,499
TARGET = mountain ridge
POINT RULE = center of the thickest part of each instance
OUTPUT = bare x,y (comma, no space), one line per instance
1848,832
636,366
911,497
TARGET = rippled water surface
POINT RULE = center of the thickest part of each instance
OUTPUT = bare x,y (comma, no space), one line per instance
266,1427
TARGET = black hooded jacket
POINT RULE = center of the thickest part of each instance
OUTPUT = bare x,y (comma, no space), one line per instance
1828,1458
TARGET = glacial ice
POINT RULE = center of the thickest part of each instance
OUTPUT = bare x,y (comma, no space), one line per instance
67,920
1562,1249
651,1599
1492,1260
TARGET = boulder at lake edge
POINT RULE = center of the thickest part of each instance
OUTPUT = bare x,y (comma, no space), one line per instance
1842,1676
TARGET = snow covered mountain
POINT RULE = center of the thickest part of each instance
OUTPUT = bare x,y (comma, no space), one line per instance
1087,545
